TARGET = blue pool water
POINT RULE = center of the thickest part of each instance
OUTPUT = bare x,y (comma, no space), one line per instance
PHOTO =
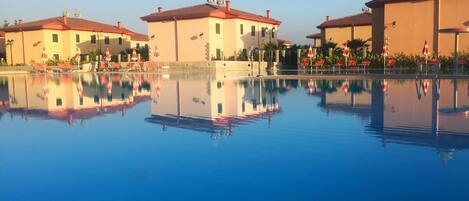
178,137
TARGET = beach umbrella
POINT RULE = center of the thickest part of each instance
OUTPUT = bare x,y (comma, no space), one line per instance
385,51
310,52
157,53
426,51
108,55
46,92
44,55
80,90
311,87
78,55
109,88
134,55
346,52
346,87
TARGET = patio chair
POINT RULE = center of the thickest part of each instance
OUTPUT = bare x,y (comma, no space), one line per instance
39,67
115,66
352,63
319,64
340,64
391,63
65,67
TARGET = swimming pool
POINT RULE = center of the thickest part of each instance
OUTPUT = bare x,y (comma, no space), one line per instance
219,137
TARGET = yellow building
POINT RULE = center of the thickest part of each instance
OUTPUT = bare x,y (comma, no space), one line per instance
208,31
316,39
408,24
348,28
74,97
2,45
61,36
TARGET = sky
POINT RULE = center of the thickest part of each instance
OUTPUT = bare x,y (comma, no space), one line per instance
299,17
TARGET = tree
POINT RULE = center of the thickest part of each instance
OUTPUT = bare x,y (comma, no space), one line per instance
357,44
5,23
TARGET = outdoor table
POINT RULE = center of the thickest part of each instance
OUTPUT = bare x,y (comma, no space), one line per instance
456,32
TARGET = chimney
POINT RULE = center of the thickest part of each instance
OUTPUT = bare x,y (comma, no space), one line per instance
267,13
228,6
65,20
328,18
119,24
160,9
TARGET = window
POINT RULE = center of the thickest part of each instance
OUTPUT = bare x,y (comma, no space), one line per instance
273,33
106,40
217,28
243,106
241,29
109,98
253,31
55,38
219,85
120,40
58,102
138,45
93,39
56,56
81,100
220,108
77,38
218,54
263,32
96,99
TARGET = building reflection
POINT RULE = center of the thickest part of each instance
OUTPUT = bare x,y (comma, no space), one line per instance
213,106
432,113
72,98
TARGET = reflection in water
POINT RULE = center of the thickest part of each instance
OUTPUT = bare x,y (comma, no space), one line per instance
436,117
213,106
432,113
72,98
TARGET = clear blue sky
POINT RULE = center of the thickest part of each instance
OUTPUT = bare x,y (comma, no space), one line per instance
299,17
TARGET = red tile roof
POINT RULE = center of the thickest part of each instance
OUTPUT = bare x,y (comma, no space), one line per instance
380,3
314,36
139,37
285,42
78,24
207,10
2,34
362,19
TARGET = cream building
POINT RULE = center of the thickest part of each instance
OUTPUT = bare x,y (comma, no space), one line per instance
210,105
208,31
61,36
407,24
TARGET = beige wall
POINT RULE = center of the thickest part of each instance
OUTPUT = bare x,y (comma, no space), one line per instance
413,28
341,35
33,44
198,40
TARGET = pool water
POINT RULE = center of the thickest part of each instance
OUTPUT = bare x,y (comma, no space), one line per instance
182,137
